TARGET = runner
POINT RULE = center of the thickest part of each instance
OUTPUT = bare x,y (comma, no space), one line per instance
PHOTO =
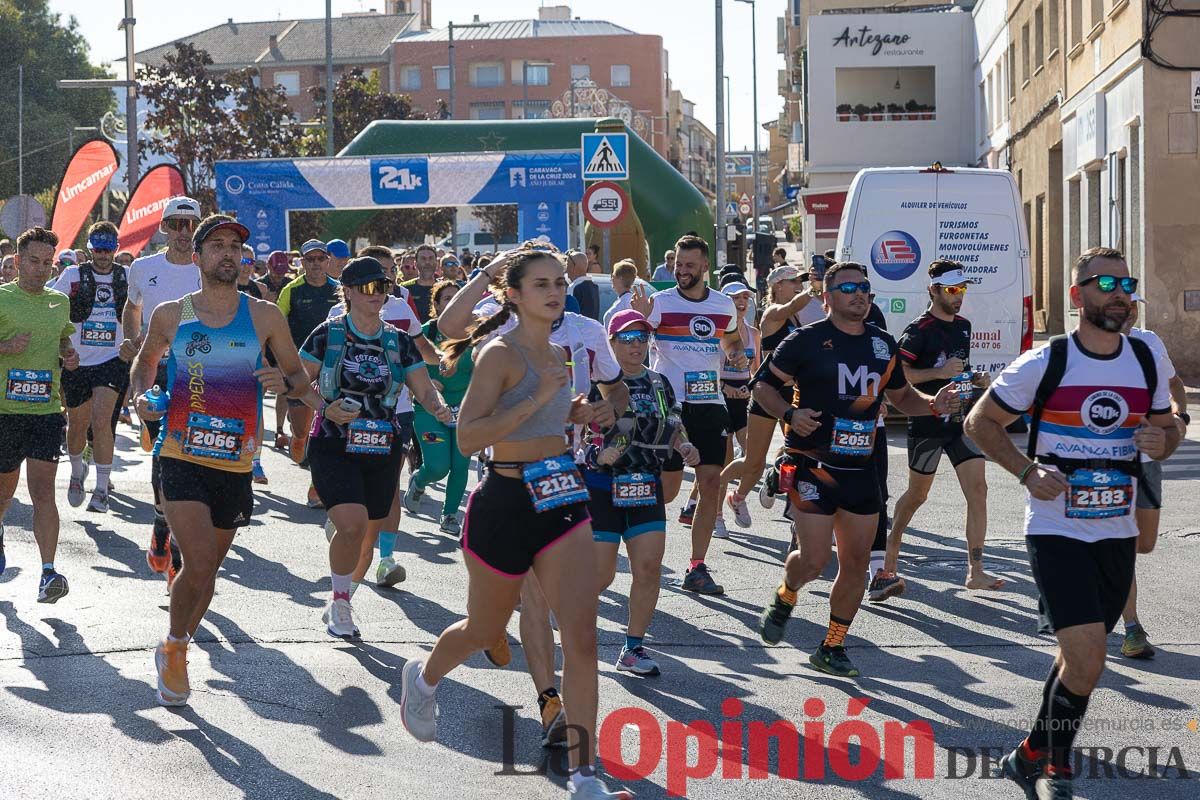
624,279
35,332
246,282
841,369
935,348
439,443
735,385
623,475
1136,643
1092,392
98,290
695,329
420,289
529,511
214,339
153,280
279,275
339,257
361,363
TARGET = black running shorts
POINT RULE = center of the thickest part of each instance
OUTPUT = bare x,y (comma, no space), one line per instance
78,384
924,452
36,436
1149,486
502,530
356,478
611,524
707,426
228,495
1081,582
822,490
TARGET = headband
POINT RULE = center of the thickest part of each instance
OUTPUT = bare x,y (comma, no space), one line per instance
102,241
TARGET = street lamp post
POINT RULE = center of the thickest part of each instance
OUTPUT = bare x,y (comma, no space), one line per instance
451,27
754,155
719,209
329,78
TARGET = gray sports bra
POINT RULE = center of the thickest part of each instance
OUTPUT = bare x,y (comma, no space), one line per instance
548,420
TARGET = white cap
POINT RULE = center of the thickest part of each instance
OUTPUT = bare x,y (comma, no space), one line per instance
181,206
736,288
954,277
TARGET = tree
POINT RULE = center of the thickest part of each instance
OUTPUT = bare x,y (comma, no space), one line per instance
500,221
50,50
200,118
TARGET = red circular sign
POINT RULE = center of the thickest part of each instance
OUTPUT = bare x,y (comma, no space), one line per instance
605,204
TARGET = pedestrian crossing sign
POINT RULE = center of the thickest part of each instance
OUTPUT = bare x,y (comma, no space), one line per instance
605,156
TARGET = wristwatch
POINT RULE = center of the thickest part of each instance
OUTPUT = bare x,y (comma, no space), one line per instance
787,415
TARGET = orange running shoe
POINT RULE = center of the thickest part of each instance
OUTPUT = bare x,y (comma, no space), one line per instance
159,560
170,661
499,654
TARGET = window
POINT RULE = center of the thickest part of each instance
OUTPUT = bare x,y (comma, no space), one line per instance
1012,72
990,109
619,75
1039,30
290,81
531,74
581,72
410,78
1052,26
492,110
1076,22
487,76
1025,53
441,77
885,94
983,114
1097,12
534,109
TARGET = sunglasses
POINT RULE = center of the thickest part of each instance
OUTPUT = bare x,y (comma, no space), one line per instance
850,287
180,224
247,262
954,291
1109,283
450,265
378,286
633,337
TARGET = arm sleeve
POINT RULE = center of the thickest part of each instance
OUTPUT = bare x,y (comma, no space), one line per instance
911,343
134,291
285,300
1015,387
1161,402
314,346
605,368
655,318
410,357
734,319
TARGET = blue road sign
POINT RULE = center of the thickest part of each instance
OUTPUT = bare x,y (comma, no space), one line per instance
605,156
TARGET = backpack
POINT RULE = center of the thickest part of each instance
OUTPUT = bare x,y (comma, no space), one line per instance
1056,367
329,381
84,298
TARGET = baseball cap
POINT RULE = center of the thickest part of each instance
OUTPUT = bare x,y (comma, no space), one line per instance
363,269
784,273
67,256
181,206
736,288
277,262
624,320
954,277
217,222
337,248
311,245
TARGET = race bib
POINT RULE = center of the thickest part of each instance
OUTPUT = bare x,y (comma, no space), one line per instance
1098,494
453,423
370,437
98,334
700,386
634,489
29,385
554,482
214,437
853,437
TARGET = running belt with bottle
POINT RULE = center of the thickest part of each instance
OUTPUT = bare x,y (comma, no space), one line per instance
686,346
215,399
1085,409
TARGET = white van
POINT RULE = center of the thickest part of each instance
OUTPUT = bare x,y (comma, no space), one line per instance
897,220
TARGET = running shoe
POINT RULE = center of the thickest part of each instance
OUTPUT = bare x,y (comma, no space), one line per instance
885,585
1021,772
283,442
259,475
1136,644
52,587
1054,787
719,529
687,513
833,661
698,580
418,711
554,723
451,525
637,661
314,500
99,502
500,654
339,619
741,512
157,559
124,416
170,662
412,496
769,488
75,491
774,619
389,573
594,789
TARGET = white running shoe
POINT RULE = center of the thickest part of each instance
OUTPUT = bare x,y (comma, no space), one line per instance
741,513
450,525
594,789
412,496
766,497
389,573
719,529
339,619
75,490
418,711
99,502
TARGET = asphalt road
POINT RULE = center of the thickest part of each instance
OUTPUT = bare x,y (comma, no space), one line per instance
282,710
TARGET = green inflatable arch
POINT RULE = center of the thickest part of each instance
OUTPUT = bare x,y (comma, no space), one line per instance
666,203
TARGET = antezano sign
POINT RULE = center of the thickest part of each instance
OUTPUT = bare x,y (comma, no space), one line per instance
604,204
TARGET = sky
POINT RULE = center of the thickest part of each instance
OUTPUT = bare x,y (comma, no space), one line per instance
687,35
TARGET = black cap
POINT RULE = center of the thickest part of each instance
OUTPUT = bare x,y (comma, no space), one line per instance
215,222
361,270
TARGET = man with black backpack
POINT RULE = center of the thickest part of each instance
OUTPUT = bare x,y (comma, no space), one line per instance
1096,403
98,289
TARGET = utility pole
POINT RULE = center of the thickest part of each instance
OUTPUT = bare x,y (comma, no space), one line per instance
131,126
451,27
728,115
524,90
329,78
758,204
21,130
719,210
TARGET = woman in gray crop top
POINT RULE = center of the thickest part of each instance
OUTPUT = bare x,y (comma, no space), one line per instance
530,511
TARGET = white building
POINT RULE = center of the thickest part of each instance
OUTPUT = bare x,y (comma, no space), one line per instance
991,81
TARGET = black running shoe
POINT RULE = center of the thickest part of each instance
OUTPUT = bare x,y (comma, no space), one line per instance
699,581
833,661
52,587
1021,772
774,620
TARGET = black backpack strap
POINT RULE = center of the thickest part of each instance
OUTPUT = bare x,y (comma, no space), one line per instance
84,298
1145,357
1056,367
120,286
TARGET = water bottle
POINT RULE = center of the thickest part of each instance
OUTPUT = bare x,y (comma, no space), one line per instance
157,399
965,389
787,477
